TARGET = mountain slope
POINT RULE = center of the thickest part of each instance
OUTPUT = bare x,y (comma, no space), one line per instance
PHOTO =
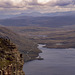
11,61
45,21
24,45
53,37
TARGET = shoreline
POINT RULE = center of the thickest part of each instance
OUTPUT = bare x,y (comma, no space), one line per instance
55,46
43,46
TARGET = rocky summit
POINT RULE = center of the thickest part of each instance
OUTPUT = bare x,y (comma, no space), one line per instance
11,61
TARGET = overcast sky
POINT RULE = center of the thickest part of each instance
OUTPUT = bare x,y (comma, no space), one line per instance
14,7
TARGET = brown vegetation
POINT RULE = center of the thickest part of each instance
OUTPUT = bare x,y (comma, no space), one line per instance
53,37
11,62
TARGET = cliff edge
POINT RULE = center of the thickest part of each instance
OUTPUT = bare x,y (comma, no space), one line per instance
11,61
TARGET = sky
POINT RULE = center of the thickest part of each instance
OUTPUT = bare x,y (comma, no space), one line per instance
16,7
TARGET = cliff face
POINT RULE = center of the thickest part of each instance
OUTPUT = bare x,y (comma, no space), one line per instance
11,61
27,47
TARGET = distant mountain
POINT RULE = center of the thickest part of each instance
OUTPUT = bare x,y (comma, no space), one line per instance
56,21
38,14
69,13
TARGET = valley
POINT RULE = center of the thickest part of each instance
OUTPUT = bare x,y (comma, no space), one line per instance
63,37
37,37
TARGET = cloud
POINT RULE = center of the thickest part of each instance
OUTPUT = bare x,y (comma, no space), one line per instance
25,3
61,2
35,5
12,3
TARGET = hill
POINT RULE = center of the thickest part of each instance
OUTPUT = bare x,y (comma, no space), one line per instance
27,47
44,21
53,37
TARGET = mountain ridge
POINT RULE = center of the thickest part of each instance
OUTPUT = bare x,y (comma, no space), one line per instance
45,21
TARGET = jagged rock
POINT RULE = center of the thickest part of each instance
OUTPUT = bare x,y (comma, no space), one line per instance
11,61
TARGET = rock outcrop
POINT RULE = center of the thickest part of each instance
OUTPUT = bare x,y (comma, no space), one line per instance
26,47
11,61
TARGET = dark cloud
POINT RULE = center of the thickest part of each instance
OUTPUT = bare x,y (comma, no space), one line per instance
63,3
13,3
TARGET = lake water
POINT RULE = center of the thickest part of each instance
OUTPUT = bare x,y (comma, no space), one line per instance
56,62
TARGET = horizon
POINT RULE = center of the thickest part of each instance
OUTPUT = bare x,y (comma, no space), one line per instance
12,8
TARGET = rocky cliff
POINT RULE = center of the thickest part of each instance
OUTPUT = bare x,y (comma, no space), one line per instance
11,61
27,47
